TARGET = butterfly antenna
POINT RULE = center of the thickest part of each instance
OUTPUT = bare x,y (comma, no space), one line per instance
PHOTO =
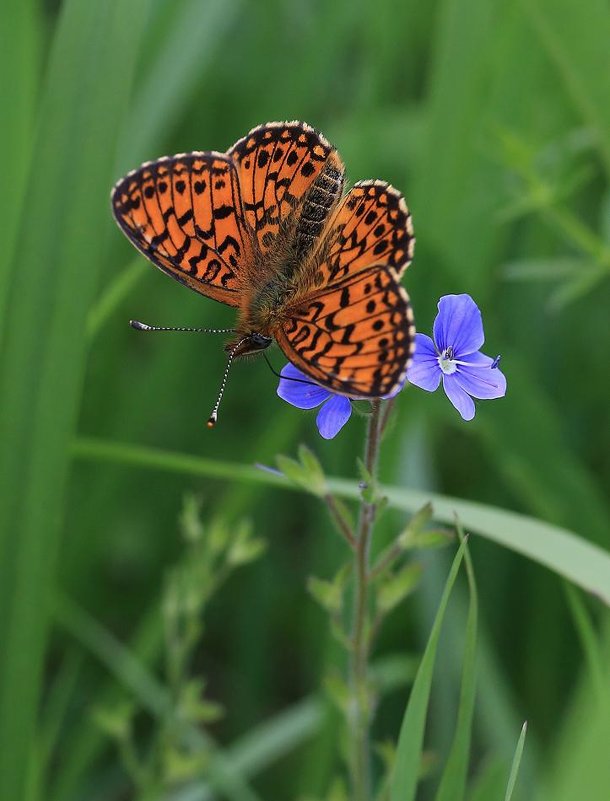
213,418
143,327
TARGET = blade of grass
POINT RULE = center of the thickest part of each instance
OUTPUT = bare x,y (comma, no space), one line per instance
114,295
57,706
52,285
410,742
562,551
453,781
588,639
514,769
192,34
20,46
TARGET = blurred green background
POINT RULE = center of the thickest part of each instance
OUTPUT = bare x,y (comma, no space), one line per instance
493,119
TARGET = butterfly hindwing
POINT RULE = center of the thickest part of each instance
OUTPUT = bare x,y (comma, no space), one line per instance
372,225
354,338
278,164
185,214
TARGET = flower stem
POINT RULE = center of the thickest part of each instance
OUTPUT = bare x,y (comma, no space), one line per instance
338,517
360,757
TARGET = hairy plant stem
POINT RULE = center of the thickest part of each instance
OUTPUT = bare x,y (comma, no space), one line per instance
342,524
360,702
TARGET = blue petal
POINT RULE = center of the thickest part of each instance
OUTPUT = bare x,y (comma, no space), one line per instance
302,395
425,371
458,325
458,397
479,379
333,416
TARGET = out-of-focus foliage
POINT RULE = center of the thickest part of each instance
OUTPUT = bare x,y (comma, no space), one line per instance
494,121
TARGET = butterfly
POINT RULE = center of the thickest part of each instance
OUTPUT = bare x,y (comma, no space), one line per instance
266,228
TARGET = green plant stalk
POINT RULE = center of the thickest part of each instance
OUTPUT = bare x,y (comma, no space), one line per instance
360,705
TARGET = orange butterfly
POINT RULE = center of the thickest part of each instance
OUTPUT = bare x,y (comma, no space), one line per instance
264,227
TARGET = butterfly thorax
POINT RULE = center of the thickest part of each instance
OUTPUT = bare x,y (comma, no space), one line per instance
286,272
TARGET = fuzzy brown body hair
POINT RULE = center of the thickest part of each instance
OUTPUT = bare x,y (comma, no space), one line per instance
287,273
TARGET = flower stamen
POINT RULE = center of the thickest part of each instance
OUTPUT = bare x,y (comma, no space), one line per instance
446,361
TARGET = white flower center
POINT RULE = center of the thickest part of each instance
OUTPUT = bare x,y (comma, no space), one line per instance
446,361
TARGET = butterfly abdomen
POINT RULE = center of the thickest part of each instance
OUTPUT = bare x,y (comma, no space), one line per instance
318,203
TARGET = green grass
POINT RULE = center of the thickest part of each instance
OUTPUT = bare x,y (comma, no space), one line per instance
494,119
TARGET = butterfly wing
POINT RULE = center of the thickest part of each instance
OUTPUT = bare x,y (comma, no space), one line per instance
354,334
356,337
372,225
277,164
185,214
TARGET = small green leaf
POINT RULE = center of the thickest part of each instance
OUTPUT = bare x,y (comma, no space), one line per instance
396,588
217,537
114,721
574,289
431,539
313,469
190,522
180,766
327,593
300,476
414,527
245,548
338,691
194,707
386,751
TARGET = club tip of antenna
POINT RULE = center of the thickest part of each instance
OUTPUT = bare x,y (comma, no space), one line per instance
139,326
211,423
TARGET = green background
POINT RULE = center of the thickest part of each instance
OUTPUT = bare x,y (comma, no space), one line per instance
493,119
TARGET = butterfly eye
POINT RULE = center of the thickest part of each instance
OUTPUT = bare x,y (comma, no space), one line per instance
260,341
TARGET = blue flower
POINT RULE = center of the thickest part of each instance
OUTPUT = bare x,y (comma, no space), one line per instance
453,356
299,390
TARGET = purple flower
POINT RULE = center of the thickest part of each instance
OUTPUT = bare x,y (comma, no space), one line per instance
303,393
299,390
454,356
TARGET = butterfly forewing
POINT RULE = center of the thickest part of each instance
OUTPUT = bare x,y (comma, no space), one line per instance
185,214
277,164
354,338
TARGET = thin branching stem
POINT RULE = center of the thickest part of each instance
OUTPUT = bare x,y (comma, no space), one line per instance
338,517
361,702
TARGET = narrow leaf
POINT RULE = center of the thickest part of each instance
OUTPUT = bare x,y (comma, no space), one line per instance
410,742
453,782
562,551
514,770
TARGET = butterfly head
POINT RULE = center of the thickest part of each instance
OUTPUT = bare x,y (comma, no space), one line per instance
244,346
248,344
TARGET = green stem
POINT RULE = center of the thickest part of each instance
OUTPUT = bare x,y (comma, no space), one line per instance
341,523
360,762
